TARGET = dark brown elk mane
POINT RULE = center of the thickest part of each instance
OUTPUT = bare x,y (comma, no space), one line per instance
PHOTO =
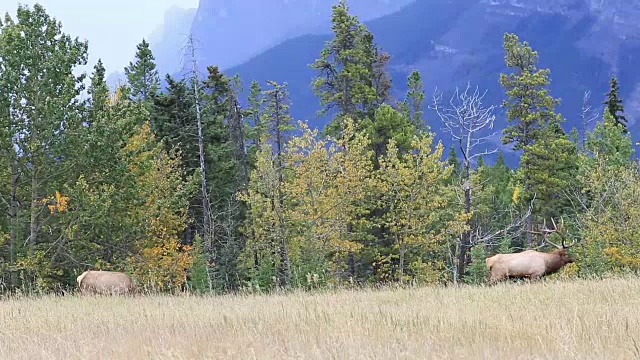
557,260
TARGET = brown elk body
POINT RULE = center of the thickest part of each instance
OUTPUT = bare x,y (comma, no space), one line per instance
527,264
105,282
530,264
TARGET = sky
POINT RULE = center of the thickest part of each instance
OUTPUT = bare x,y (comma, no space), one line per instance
113,27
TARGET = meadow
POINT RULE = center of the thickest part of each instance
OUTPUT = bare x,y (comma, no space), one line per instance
582,319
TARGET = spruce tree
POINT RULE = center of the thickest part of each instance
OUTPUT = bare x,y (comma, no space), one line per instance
98,90
173,120
552,168
278,120
349,68
256,129
614,105
414,99
530,109
142,74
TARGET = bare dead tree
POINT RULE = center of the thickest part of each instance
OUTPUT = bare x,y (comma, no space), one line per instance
587,116
465,118
206,208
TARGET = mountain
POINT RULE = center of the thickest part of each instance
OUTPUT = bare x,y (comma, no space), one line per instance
168,41
232,31
452,42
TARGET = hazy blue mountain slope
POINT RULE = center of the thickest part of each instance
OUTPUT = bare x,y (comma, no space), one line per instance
232,31
452,42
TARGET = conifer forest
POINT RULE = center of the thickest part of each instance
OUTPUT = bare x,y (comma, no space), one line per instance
208,183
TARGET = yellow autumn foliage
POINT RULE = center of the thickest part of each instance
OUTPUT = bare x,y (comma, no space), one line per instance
414,190
161,211
611,223
56,203
162,267
326,186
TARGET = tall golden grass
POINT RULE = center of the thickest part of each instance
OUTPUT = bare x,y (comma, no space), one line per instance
548,320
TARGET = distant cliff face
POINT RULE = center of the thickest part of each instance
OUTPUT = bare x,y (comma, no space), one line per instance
621,16
233,31
168,41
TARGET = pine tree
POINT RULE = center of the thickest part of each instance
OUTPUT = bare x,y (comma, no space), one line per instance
142,74
615,106
219,116
98,91
552,167
255,129
413,101
278,121
529,105
351,76
173,120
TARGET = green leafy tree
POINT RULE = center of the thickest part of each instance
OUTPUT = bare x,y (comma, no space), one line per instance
39,87
552,167
328,183
414,189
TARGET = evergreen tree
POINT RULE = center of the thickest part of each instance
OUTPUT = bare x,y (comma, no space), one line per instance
454,162
173,120
551,171
349,68
529,106
412,104
255,129
222,171
614,105
98,91
142,74
278,121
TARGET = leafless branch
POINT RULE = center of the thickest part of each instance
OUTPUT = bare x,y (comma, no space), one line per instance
516,227
464,117
587,116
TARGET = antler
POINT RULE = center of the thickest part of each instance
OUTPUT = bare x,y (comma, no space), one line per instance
559,231
546,231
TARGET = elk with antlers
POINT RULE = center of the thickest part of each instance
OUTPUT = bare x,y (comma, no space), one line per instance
530,264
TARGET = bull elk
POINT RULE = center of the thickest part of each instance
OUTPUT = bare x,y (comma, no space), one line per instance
530,264
105,282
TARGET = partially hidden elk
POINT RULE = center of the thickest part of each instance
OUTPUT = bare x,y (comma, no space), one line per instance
530,264
100,282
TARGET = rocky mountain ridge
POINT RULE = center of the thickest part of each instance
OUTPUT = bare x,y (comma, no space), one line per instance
452,42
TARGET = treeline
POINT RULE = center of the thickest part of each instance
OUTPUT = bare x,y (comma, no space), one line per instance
196,187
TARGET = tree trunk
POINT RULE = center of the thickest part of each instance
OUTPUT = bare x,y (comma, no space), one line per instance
284,270
208,227
36,205
13,212
403,250
465,238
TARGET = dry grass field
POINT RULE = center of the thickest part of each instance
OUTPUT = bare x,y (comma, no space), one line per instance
550,320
